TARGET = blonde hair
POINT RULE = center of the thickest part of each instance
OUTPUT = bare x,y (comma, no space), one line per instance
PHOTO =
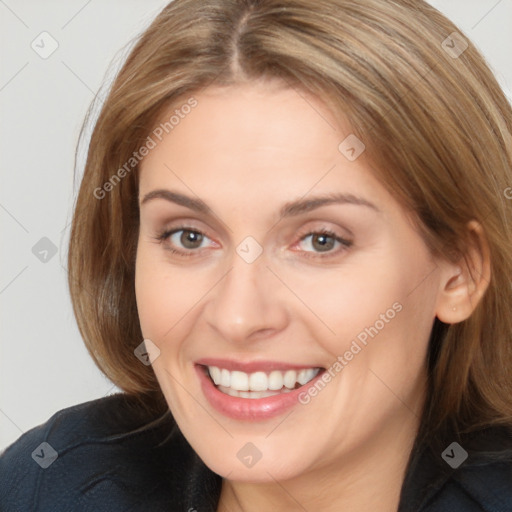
436,126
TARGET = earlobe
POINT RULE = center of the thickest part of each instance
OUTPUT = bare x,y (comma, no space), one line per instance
464,283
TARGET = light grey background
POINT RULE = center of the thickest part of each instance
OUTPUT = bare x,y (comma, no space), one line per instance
44,366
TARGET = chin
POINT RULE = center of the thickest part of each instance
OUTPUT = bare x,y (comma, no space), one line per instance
245,461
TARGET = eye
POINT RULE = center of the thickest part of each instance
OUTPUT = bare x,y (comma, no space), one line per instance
323,242
184,240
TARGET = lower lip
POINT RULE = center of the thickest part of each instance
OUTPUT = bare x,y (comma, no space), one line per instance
250,409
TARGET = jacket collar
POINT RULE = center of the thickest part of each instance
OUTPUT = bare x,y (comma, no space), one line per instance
485,480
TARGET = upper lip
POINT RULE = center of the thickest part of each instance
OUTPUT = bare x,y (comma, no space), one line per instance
252,366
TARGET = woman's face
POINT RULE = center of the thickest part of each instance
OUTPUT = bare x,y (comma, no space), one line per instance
286,256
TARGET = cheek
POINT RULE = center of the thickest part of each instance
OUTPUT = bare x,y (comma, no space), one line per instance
341,302
169,302
162,295
376,312
164,303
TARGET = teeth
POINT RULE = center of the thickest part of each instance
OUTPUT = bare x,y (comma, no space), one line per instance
259,384
290,378
239,381
249,394
258,381
275,380
215,374
225,378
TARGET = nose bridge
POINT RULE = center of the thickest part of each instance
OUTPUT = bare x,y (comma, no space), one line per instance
242,303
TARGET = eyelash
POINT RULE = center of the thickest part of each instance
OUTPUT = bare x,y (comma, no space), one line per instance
164,235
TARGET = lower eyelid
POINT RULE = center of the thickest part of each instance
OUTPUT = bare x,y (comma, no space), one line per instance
327,254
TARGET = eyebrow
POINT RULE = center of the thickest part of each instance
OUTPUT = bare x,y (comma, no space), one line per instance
288,210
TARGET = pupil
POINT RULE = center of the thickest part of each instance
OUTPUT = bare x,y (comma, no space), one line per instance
323,242
191,239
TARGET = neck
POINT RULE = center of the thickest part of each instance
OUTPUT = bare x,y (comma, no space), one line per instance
370,479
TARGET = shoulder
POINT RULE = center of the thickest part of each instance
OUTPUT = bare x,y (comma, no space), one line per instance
474,476
485,476
106,454
486,487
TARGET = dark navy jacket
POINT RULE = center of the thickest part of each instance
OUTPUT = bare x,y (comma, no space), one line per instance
106,455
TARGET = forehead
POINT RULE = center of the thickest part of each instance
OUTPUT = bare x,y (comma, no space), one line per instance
254,140
250,120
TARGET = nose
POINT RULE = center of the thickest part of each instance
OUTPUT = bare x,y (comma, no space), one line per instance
248,303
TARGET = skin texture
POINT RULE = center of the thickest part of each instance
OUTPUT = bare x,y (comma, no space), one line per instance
246,151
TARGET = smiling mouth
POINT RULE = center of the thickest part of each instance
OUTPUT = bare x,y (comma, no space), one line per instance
259,384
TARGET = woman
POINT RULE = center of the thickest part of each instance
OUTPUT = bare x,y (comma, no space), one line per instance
290,250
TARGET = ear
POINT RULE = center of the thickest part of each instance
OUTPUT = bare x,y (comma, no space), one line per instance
464,282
